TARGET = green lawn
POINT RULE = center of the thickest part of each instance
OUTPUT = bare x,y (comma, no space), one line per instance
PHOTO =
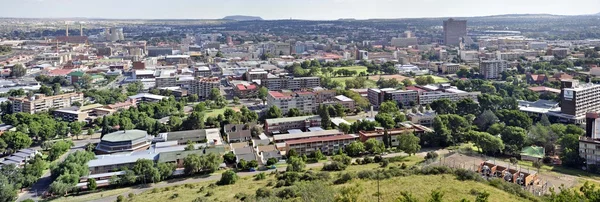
439,79
216,112
369,84
358,69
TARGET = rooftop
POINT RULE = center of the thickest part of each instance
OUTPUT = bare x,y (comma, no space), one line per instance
285,137
174,155
291,119
125,135
147,95
118,160
343,98
321,139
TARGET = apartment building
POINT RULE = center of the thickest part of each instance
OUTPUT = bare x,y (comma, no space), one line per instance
281,125
203,86
40,102
454,95
589,145
203,71
324,95
450,68
577,99
422,118
304,101
327,145
492,69
394,134
305,135
290,83
404,97
245,90
256,74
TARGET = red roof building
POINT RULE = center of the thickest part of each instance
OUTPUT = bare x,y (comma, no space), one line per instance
327,145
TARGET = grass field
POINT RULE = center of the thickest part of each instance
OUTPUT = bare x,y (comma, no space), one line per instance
398,77
370,83
216,112
358,69
439,79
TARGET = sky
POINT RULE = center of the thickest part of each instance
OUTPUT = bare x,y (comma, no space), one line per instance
286,9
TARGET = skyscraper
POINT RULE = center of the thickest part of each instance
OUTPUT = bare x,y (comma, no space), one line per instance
454,30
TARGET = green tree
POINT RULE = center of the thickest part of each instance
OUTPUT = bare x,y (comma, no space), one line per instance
444,106
295,164
16,140
514,138
489,144
374,146
386,120
325,119
229,157
228,177
355,148
146,171
75,128
407,82
215,93
294,112
262,94
90,132
125,124
91,185
18,71
389,107
165,170
409,143
570,151
274,112
272,161
344,128
190,146
485,120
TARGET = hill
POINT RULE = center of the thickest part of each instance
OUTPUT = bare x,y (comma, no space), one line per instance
242,18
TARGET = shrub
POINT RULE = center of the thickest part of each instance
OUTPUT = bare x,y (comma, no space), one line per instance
384,163
431,155
270,183
547,160
131,195
175,195
334,166
359,161
435,170
366,174
377,159
403,166
368,160
464,174
120,198
396,159
200,190
200,199
345,177
263,192
154,190
189,186
287,193
228,177
260,176
280,183
512,188
209,193
241,196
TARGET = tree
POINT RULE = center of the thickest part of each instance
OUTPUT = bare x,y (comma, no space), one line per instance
389,107
75,128
125,124
91,185
219,54
374,146
386,120
228,177
344,128
295,164
407,82
16,140
146,171
409,143
570,151
325,119
293,112
274,112
272,161
514,118
262,94
489,144
421,81
90,132
165,170
355,148
215,93
467,106
190,146
58,148
444,106
8,191
386,139
18,71
229,157
485,120
514,139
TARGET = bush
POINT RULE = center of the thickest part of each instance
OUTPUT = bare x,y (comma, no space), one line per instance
287,193
359,161
384,163
263,193
260,176
201,199
241,196
435,170
131,195
175,195
334,166
464,175
270,183
155,190
431,155
396,159
345,177
228,177
377,159
209,193
120,198
366,174
403,166
512,188
368,160
280,183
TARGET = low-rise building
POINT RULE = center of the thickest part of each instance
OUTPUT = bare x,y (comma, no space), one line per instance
123,141
238,132
282,125
20,158
211,136
41,103
394,134
304,135
266,152
146,97
453,95
304,101
450,68
245,90
328,145
290,83
84,113
422,118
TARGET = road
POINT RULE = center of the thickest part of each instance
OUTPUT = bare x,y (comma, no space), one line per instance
44,182
141,188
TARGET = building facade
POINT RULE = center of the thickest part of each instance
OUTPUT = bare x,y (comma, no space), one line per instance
577,99
304,101
454,30
280,125
203,86
290,83
492,69
327,145
41,103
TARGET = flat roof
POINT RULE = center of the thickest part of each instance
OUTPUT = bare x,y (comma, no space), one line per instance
117,160
174,155
343,98
291,119
321,139
147,95
125,135
285,137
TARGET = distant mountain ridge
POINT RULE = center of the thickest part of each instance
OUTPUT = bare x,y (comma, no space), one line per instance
242,18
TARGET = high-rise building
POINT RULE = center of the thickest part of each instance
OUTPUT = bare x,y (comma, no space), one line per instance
303,101
290,83
578,99
202,86
454,30
492,69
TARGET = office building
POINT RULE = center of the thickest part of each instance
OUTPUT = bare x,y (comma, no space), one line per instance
203,71
255,74
404,42
158,51
577,99
450,68
40,102
362,55
454,31
291,83
146,97
492,69
123,141
282,125
303,101
202,86
454,95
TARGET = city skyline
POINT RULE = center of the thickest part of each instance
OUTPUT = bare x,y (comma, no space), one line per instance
295,9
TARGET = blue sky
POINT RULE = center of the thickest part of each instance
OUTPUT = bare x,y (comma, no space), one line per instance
285,9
